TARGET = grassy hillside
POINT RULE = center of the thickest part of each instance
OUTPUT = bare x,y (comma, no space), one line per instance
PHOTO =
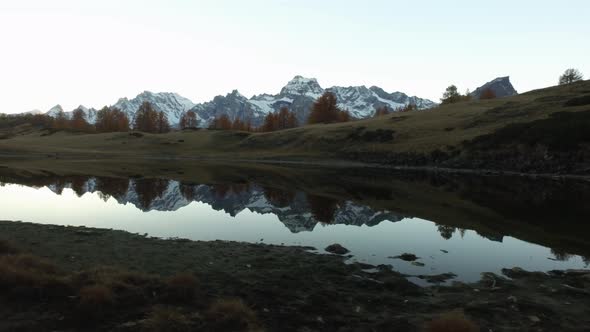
469,134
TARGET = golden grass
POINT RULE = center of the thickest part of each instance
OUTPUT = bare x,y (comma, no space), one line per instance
454,321
231,315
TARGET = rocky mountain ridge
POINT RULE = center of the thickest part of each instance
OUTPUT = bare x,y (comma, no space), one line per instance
298,94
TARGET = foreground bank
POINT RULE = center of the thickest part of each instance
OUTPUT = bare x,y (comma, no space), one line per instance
71,278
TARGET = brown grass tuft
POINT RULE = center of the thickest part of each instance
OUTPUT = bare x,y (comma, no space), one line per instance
454,321
97,296
95,301
231,315
164,319
182,287
8,248
30,276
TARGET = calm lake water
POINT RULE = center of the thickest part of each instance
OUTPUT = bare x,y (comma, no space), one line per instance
457,225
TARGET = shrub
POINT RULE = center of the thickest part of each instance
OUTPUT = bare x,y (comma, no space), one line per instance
182,287
231,315
132,288
26,275
166,320
452,322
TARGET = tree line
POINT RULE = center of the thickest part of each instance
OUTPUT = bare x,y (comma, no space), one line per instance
147,119
324,110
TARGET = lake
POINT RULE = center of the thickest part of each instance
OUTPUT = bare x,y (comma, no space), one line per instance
464,225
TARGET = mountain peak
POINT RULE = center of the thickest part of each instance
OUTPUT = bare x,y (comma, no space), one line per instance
236,93
300,85
501,87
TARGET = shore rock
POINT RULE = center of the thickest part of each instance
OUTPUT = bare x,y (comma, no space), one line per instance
337,249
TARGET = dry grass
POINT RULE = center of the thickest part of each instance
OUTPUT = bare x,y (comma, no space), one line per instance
231,315
454,321
131,288
163,319
418,131
28,276
96,296
182,287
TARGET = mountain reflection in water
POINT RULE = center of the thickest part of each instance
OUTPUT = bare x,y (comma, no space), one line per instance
464,212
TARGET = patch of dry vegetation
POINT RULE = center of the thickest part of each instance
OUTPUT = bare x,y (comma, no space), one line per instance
28,276
104,296
454,321
182,287
164,319
231,315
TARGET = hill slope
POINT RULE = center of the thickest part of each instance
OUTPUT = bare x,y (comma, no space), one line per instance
477,134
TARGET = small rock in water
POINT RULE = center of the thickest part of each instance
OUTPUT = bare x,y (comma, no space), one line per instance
337,249
407,257
444,251
418,264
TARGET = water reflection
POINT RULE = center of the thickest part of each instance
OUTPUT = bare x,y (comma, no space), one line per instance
476,222
299,211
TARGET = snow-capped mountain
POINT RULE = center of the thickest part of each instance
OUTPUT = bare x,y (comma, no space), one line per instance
90,113
298,95
55,110
234,105
172,104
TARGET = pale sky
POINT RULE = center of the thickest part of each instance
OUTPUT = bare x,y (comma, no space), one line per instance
94,52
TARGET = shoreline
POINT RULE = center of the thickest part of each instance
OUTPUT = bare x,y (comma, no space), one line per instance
315,163
290,289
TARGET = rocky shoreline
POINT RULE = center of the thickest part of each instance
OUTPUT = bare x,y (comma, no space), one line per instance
279,287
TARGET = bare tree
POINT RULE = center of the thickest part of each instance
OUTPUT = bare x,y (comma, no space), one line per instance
570,75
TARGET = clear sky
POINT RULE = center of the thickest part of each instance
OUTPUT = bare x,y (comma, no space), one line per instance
93,52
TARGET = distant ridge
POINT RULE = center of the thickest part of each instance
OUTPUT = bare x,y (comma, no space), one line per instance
298,94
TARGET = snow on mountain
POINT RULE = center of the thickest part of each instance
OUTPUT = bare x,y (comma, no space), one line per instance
89,113
33,112
360,101
298,95
55,110
234,105
402,98
172,104
300,85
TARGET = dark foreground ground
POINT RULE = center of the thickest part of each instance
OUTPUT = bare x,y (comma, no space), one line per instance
55,278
